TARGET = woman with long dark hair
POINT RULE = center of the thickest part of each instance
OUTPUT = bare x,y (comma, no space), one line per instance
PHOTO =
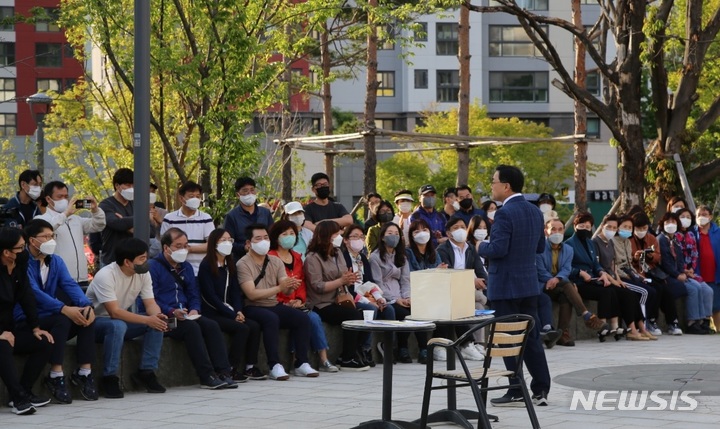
421,252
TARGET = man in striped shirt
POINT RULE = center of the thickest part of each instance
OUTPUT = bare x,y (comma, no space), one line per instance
195,223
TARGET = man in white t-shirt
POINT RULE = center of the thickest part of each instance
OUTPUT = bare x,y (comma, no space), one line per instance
195,223
112,292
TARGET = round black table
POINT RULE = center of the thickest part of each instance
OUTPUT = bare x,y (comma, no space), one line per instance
388,329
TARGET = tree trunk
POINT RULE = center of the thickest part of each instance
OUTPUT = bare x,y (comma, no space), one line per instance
285,132
580,155
325,61
463,128
369,182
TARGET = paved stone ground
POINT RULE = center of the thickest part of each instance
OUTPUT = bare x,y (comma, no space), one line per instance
342,400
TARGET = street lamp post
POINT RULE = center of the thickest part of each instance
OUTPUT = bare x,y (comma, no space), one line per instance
40,104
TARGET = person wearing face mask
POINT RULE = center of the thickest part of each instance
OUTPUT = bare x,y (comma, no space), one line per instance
628,274
450,203
546,203
119,214
708,239
30,183
467,208
327,274
283,236
71,228
391,271
631,298
63,310
385,214
676,203
113,290
262,278
192,221
26,339
457,253
323,207
426,211
178,295
478,231
421,254
404,203
247,213
295,213
373,200
489,207
222,301
698,303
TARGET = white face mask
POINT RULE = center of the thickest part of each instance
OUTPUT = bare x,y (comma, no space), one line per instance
128,194
609,234
248,200
34,192
459,235
224,248
480,234
193,203
153,197
703,220
422,237
670,228
456,206
261,247
640,234
545,208
60,205
337,241
685,222
297,219
48,247
357,245
491,215
556,238
179,256
405,206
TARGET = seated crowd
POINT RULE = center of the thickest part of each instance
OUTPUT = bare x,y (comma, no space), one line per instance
256,275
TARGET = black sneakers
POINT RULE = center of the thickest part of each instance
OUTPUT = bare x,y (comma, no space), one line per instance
540,399
239,377
111,387
404,356
86,383
228,379
147,379
508,400
28,403
58,389
353,365
367,358
23,407
255,374
212,382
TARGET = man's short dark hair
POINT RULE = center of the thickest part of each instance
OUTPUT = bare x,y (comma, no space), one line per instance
666,217
28,175
252,228
9,237
190,187
512,176
373,195
244,181
129,248
36,226
318,176
611,218
463,188
640,219
582,217
171,235
48,191
449,191
452,221
123,176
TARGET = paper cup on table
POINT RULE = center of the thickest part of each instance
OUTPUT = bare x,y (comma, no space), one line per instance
368,315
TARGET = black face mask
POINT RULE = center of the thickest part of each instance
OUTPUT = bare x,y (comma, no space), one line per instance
385,217
142,268
22,258
584,234
323,192
466,204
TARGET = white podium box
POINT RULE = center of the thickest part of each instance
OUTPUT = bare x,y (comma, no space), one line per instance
442,294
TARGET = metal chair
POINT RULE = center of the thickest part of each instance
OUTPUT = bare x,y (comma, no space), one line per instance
506,338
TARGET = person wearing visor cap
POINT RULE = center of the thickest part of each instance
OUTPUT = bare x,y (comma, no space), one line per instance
427,212
404,202
295,213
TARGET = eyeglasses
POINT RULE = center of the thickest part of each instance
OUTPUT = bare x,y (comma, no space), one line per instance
322,185
19,247
47,236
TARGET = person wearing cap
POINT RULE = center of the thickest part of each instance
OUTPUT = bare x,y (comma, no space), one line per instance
323,207
295,213
404,202
451,203
246,214
467,208
373,201
427,212
546,204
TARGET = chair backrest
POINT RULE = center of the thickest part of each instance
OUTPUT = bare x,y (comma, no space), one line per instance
507,337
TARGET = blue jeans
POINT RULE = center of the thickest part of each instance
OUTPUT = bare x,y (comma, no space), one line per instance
112,333
387,314
699,300
545,315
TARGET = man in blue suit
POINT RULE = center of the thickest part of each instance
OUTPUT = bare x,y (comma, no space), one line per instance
517,236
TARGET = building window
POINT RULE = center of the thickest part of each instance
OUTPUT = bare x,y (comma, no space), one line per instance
448,85
592,83
386,79
446,36
48,22
592,129
44,85
386,38
8,124
7,15
48,54
519,87
385,124
532,4
421,79
7,54
7,89
511,41
420,33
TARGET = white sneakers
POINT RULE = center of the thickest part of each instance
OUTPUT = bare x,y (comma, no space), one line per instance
278,373
305,370
473,352
439,354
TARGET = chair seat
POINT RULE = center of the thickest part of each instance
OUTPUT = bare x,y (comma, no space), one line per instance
476,373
